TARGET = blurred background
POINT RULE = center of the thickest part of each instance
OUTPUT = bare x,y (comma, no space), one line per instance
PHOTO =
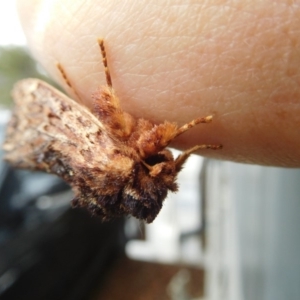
232,232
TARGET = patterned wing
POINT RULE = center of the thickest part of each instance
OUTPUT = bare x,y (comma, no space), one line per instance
51,132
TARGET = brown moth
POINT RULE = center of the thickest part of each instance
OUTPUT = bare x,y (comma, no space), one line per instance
117,165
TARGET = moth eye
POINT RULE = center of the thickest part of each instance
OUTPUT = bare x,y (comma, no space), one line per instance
168,171
155,159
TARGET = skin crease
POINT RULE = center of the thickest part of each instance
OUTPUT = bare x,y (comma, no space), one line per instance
178,60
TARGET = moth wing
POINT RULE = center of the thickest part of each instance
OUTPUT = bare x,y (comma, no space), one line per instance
49,131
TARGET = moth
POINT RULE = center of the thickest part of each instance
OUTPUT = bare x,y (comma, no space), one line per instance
116,164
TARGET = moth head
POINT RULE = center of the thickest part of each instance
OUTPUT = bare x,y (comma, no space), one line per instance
162,166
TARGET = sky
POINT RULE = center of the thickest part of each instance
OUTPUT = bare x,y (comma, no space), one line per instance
10,28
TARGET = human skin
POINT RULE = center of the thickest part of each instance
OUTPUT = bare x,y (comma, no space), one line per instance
238,60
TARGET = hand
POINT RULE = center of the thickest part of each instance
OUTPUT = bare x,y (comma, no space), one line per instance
238,60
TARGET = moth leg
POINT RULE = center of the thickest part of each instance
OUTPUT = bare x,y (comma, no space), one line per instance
180,160
161,135
104,60
66,79
193,123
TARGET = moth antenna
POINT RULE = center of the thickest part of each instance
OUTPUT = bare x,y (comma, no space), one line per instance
104,60
180,160
193,123
66,79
